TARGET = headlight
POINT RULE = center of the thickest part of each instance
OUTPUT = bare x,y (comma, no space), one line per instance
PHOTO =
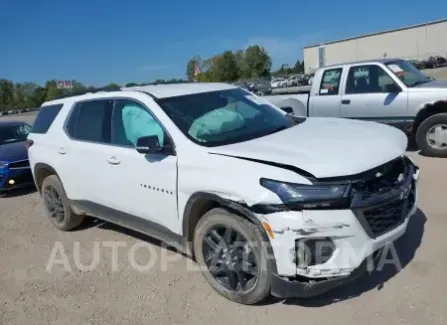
309,196
3,164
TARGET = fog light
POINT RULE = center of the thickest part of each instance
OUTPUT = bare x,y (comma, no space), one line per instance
313,251
11,182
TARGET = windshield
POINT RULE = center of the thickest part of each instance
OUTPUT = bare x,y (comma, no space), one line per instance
224,117
14,133
408,73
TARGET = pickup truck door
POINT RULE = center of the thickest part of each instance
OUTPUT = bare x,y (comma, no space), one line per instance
371,93
325,98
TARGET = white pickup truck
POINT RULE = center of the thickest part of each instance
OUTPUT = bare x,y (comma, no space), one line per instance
390,91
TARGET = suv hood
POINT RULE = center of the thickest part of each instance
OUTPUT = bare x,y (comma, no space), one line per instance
325,147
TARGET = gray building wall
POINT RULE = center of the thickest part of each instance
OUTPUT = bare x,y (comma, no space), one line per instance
411,43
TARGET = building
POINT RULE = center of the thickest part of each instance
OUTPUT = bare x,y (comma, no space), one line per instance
417,42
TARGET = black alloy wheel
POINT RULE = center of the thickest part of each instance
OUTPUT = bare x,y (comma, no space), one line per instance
230,259
54,204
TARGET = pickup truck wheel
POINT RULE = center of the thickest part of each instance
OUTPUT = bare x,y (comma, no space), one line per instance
431,136
231,253
57,206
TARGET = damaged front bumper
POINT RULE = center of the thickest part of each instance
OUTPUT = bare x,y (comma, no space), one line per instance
357,235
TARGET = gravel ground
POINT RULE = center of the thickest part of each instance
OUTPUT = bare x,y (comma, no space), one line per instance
168,294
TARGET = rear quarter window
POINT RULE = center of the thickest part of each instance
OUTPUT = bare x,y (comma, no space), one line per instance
45,118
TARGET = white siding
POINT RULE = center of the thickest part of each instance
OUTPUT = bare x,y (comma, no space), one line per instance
415,43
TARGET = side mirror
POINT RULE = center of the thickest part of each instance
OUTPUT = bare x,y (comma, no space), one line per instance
393,88
148,145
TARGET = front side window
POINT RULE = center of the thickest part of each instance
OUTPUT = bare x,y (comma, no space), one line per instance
408,73
330,83
369,79
90,121
224,117
131,121
14,133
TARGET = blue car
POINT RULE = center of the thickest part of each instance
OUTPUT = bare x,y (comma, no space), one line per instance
15,171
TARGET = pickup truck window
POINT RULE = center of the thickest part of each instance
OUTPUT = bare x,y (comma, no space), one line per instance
330,83
368,79
408,73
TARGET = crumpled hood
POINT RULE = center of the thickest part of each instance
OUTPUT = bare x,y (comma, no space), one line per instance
13,151
325,147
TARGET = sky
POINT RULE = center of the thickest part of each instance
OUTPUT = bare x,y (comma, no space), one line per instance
97,41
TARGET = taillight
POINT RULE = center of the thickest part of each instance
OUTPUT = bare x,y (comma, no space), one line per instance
28,143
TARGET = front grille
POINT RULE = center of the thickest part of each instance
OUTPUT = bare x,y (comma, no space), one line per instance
382,179
19,164
381,203
386,217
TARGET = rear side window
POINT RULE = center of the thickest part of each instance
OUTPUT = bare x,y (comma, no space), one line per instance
91,121
45,118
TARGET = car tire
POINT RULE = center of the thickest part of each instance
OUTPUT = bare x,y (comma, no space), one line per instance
261,285
57,206
423,134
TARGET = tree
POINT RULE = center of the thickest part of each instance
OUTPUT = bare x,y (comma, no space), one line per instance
244,70
225,67
131,84
191,67
258,61
6,94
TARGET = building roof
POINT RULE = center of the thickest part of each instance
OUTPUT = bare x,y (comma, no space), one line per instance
379,33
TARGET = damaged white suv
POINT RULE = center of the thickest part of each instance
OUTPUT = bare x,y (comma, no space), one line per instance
265,202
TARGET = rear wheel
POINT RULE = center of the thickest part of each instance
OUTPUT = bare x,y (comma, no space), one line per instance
232,257
57,206
431,136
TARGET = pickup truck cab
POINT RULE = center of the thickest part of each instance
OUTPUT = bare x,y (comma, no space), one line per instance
390,91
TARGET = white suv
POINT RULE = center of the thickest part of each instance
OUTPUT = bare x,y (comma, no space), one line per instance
265,202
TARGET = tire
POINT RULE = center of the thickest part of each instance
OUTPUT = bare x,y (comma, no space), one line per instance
423,131
70,220
219,217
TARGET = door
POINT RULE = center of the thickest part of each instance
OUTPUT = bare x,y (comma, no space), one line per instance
326,101
141,185
82,155
372,94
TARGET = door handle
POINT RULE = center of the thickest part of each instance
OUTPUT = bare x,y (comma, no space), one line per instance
61,151
346,101
113,161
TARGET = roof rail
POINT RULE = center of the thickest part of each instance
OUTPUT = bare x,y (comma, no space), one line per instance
90,91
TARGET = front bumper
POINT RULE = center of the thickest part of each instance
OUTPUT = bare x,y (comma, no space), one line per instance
355,239
11,179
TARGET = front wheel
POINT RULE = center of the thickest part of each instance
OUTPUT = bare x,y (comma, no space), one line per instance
231,253
431,136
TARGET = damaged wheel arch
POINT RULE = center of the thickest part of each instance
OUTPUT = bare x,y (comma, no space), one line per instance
201,202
